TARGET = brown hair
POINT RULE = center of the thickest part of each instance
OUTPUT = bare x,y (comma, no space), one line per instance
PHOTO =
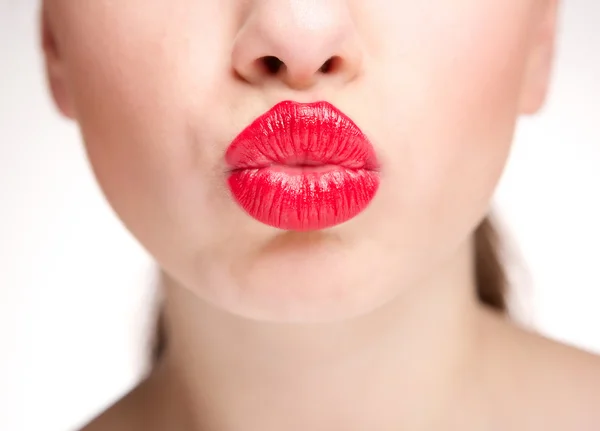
490,275
490,278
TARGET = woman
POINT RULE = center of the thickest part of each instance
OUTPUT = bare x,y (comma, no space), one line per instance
314,180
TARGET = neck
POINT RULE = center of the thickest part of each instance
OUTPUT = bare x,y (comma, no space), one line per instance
395,368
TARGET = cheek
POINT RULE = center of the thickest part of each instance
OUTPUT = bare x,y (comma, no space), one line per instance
133,101
457,93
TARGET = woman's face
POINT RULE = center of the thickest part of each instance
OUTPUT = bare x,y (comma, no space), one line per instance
161,88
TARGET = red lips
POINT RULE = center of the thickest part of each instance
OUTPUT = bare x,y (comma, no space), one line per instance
302,167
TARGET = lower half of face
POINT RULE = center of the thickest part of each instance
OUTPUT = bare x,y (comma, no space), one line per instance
160,94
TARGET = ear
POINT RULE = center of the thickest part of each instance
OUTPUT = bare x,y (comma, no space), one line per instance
541,55
55,68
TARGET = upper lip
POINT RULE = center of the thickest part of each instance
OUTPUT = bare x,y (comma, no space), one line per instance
299,134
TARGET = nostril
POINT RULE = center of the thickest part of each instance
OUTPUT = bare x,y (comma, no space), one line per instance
272,64
326,68
329,65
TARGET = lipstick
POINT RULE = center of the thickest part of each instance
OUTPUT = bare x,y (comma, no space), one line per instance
302,167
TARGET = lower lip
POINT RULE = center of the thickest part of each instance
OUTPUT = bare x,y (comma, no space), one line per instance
303,198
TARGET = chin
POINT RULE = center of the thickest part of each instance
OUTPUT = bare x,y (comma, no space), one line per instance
301,301
296,278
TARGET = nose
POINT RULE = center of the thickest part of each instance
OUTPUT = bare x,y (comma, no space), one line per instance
297,42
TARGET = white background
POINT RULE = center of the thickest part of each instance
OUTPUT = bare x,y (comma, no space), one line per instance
74,285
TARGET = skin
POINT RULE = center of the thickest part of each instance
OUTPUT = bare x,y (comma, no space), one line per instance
389,335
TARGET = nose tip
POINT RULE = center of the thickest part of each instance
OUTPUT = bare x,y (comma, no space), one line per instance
277,44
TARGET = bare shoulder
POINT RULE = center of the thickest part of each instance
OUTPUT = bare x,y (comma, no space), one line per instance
556,385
